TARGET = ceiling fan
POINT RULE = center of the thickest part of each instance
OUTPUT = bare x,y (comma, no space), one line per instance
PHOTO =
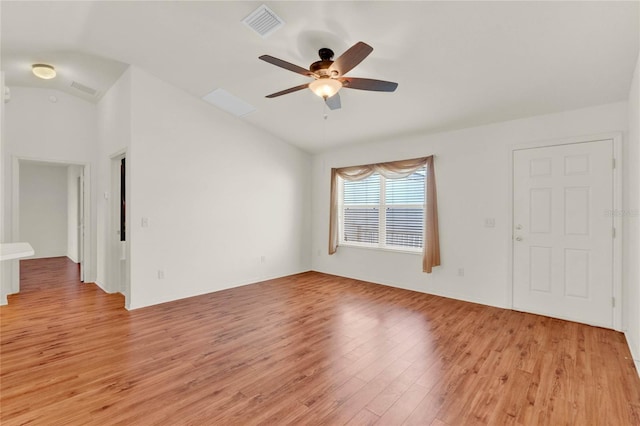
329,76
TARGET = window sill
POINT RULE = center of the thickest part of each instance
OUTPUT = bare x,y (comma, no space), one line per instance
417,252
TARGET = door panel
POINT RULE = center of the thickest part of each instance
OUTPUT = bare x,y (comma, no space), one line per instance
563,242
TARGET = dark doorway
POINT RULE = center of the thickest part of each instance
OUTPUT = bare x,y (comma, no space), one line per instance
122,200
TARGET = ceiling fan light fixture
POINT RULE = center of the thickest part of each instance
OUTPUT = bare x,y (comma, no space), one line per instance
325,87
43,71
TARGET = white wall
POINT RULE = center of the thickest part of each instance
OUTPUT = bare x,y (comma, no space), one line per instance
43,209
114,135
7,267
219,196
73,173
185,149
631,219
472,174
36,128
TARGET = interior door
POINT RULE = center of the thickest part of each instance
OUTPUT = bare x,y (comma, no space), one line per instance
563,231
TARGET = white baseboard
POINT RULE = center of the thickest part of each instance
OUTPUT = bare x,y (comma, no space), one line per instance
102,286
432,292
634,353
233,284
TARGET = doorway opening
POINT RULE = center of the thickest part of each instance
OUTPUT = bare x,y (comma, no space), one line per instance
118,236
51,205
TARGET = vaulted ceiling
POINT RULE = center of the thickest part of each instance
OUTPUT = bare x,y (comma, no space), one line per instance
458,64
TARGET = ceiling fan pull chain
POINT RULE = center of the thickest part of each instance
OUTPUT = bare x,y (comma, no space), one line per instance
325,116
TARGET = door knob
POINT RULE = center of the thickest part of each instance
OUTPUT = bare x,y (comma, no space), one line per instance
518,238
518,226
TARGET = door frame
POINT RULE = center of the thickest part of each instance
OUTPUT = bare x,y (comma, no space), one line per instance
616,138
114,265
15,211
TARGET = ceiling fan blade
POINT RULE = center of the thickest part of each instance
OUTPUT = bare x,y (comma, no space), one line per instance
368,84
333,102
352,57
286,65
289,90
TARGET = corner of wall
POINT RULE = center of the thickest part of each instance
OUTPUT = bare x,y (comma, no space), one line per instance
631,219
114,135
6,268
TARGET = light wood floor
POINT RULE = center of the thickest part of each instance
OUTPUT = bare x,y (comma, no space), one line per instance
306,349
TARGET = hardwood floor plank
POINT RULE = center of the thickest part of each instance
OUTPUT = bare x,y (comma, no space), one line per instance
327,405
404,405
306,349
357,402
511,403
385,399
363,418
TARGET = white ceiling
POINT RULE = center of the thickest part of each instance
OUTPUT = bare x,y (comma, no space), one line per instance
458,64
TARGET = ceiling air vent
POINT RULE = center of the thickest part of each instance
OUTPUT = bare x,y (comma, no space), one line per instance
263,21
86,89
229,102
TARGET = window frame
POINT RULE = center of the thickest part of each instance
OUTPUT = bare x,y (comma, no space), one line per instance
382,207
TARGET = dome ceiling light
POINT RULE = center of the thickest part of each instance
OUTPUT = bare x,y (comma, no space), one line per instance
44,71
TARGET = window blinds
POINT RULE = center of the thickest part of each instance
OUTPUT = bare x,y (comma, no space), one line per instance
382,212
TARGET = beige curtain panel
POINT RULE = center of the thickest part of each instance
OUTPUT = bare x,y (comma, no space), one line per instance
394,170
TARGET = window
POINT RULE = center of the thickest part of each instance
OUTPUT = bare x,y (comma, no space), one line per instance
383,213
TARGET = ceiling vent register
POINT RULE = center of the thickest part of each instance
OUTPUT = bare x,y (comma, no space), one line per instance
86,89
263,21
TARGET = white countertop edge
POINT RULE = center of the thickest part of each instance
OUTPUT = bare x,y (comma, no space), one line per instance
11,251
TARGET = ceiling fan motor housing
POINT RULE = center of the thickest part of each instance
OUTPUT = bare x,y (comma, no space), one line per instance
321,67
325,54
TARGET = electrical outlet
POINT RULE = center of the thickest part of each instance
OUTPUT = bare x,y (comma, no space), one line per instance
263,259
160,274
461,272
144,222
489,222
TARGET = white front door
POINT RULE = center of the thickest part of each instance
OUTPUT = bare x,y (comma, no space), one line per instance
563,231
